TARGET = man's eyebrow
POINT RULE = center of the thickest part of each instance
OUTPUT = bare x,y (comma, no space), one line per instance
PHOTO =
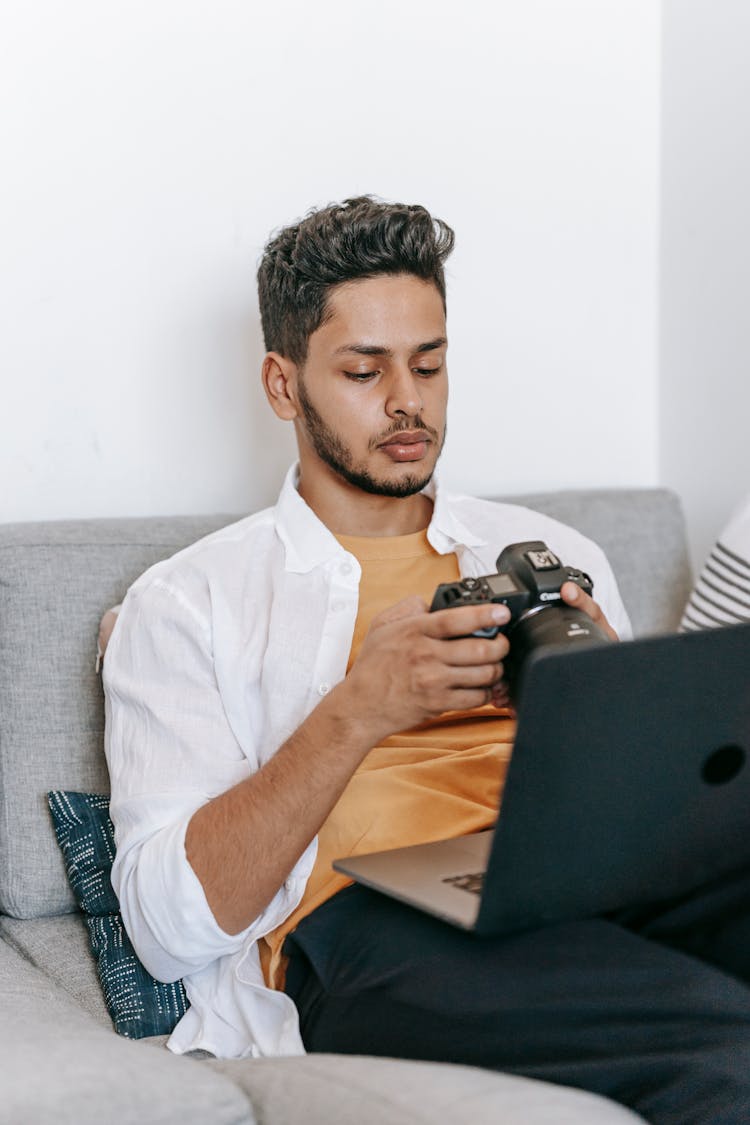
377,349
432,345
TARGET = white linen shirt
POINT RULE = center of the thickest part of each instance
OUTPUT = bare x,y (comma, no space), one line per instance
218,655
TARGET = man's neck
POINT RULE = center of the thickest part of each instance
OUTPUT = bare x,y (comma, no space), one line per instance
350,511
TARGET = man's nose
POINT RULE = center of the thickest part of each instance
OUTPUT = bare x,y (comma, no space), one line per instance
404,394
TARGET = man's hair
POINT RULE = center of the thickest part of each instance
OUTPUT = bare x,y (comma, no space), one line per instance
359,238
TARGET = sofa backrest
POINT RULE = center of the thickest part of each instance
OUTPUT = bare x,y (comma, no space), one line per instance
57,579
643,534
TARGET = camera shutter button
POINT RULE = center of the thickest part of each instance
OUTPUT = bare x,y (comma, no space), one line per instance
471,583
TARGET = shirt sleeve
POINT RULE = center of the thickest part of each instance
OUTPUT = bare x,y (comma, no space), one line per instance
721,595
170,749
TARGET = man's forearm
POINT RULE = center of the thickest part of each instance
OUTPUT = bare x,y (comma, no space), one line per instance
413,666
243,844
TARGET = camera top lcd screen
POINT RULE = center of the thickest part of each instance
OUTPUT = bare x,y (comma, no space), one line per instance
501,585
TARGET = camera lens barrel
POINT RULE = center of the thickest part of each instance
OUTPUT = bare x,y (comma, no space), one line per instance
555,624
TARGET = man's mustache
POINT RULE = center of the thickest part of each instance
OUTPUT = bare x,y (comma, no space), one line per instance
408,424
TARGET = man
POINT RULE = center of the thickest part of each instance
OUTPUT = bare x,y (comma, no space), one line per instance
278,695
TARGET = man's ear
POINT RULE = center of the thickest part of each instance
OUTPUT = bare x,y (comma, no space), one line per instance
279,376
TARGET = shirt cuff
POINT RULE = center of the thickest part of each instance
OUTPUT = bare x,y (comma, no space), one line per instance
166,913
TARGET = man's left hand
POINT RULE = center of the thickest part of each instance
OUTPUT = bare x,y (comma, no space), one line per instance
571,595
575,596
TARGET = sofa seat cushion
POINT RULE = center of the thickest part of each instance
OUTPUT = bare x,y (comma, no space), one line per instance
342,1089
60,948
92,1075
60,1065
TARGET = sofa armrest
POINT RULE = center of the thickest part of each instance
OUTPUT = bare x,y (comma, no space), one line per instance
61,1066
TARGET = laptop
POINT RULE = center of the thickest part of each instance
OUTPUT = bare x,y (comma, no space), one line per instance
629,784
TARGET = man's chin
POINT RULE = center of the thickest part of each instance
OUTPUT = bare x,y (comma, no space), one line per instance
399,487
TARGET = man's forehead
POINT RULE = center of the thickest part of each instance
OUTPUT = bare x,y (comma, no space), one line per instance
373,315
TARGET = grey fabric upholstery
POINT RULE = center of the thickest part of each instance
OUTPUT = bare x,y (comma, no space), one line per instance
60,947
56,580
60,1067
349,1089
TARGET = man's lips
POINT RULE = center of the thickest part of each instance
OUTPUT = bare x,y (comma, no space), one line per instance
409,445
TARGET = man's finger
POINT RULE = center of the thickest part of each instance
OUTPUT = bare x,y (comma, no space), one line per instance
500,695
572,594
412,606
481,675
465,620
465,651
469,699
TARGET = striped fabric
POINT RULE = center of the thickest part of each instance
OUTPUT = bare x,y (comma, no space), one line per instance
722,593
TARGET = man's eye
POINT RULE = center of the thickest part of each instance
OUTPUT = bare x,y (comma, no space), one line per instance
426,370
360,376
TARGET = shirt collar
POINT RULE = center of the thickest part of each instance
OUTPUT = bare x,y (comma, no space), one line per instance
308,542
447,532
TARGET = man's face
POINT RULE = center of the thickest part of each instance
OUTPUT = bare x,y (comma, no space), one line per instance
374,388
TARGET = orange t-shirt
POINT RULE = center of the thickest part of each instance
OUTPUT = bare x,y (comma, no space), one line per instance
441,779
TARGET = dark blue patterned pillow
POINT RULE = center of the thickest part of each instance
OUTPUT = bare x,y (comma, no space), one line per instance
138,1004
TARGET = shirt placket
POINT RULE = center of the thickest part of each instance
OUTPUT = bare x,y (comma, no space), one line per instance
338,627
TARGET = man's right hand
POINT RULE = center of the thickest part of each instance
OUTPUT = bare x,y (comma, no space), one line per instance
414,665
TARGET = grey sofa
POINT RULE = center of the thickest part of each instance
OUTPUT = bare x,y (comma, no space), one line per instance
61,1060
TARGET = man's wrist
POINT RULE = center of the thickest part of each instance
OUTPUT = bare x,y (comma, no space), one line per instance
349,723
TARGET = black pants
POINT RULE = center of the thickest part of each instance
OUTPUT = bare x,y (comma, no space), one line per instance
647,1007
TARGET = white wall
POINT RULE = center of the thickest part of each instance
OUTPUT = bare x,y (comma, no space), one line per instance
149,147
705,281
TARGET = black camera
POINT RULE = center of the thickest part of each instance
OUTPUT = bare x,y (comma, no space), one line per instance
528,580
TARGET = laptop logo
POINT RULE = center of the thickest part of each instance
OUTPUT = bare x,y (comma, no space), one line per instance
723,765
473,882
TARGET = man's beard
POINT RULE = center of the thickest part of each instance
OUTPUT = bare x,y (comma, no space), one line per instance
332,450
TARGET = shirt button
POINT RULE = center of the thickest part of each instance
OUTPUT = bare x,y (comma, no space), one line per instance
345,568
323,689
338,606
